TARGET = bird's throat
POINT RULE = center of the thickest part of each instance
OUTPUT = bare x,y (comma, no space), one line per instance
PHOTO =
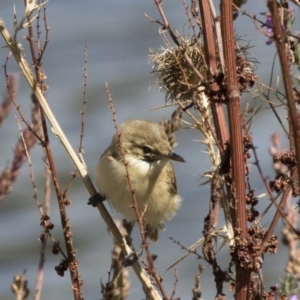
138,167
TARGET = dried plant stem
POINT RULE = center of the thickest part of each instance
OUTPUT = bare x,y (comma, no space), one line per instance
65,222
46,39
40,274
84,99
139,215
279,211
279,37
211,61
206,128
210,222
46,208
239,216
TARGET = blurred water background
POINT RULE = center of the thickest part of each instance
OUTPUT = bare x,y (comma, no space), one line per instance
119,37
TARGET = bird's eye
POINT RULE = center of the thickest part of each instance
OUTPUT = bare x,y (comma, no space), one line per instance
146,150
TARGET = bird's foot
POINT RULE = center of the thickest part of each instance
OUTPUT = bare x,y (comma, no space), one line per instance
95,199
133,257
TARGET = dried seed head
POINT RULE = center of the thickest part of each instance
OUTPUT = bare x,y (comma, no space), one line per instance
175,76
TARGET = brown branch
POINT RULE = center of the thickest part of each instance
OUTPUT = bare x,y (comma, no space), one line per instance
132,189
139,216
208,20
71,262
211,61
280,38
236,140
210,222
46,27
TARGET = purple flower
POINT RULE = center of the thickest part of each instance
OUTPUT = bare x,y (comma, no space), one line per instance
294,297
269,25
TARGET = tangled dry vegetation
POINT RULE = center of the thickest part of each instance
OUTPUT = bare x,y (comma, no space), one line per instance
204,76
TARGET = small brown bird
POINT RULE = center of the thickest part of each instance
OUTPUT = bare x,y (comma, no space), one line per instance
148,155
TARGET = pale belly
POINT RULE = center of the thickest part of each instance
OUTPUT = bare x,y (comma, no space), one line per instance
152,194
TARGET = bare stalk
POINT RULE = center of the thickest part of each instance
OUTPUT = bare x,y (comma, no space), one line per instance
280,39
139,216
236,141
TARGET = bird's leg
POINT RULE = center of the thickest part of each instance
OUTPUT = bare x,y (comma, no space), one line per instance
95,199
135,254
148,231
133,257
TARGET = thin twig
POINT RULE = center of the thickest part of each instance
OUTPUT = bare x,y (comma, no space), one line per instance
139,216
278,206
40,274
46,41
175,284
10,174
174,38
84,98
12,87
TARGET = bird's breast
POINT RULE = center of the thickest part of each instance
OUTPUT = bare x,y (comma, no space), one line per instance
149,183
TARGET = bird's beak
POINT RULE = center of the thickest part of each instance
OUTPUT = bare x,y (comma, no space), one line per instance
175,157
